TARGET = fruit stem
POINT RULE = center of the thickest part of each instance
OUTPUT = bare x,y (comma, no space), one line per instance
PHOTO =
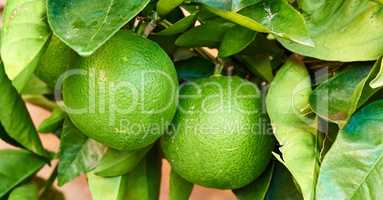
219,66
49,182
40,101
146,28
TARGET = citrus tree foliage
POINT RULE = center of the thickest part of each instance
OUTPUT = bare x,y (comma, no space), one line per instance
272,99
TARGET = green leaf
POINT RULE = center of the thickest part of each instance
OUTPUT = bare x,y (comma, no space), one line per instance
144,180
165,6
256,190
353,167
15,119
342,30
274,16
117,163
229,5
12,169
25,33
287,102
179,188
29,191
208,34
180,26
260,65
78,153
282,185
53,122
235,40
102,188
35,86
85,25
194,68
378,80
337,98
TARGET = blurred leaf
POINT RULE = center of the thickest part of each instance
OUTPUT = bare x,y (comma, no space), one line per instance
167,43
180,26
25,33
256,190
145,180
342,30
12,169
274,16
260,65
339,97
229,5
165,6
330,131
378,80
6,138
102,188
206,35
117,163
85,25
29,191
53,122
78,153
282,185
179,188
353,167
287,104
194,68
15,118
35,86
235,40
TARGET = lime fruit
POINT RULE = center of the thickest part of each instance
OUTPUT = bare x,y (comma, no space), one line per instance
125,94
55,61
217,139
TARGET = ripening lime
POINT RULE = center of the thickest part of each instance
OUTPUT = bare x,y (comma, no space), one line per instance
218,139
124,95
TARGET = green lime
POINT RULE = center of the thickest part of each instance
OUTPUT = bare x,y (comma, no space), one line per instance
217,139
55,61
125,94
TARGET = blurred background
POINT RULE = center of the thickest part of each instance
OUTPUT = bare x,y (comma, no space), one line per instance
78,188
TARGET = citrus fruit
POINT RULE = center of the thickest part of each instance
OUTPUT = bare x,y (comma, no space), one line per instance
125,94
55,60
217,138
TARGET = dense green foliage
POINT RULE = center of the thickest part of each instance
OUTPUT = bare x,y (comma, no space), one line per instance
273,99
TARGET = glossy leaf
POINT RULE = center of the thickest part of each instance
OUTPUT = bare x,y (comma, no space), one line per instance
206,35
337,98
259,65
194,68
180,26
256,190
287,103
85,25
274,16
229,5
235,40
353,167
179,188
28,191
113,188
282,185
378,80
53,122
12,172
145,180
24,35
15,119
165,6
339,30
78,153
117,163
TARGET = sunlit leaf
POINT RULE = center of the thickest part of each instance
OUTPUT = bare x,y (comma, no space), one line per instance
85,25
